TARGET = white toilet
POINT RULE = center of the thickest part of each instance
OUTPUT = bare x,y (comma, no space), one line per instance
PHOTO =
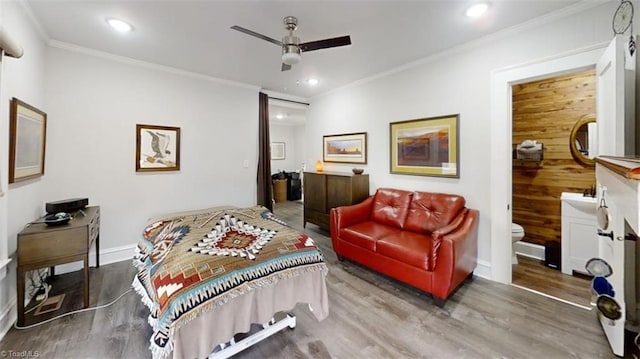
517,233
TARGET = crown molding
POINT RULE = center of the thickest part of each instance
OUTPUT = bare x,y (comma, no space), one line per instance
148,65
34,20
577,8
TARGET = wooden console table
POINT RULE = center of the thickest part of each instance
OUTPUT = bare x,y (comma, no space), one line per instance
41,246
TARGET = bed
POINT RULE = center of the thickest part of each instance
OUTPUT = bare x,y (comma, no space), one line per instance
207,275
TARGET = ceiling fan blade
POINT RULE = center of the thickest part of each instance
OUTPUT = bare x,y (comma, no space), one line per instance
286,67
326,43
255,34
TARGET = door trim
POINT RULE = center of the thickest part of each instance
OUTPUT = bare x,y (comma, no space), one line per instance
501,135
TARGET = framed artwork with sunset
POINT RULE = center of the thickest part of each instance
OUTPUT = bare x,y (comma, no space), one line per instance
426,147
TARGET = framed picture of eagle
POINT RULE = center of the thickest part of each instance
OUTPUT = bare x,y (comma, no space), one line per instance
157,148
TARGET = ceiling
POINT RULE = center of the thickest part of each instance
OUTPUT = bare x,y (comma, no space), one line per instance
196,35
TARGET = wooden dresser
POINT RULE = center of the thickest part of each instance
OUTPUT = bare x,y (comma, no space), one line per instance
41,246
326,190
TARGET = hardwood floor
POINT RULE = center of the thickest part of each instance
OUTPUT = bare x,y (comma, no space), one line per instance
533,274
371,316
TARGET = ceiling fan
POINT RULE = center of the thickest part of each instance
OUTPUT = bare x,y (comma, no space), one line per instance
291,46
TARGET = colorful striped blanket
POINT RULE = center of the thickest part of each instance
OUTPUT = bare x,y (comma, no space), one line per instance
193,263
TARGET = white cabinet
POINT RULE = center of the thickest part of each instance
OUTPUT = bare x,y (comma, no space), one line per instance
579,232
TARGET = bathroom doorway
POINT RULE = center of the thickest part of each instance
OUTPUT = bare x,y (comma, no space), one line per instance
545,116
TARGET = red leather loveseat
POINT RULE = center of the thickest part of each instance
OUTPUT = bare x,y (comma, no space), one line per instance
427,240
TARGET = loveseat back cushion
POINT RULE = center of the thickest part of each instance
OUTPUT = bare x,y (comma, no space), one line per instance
430,211
390,206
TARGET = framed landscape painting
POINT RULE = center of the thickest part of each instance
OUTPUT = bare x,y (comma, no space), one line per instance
27,140
157,148
426,147
346,148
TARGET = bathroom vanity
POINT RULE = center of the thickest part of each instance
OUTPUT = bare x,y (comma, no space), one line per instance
579,231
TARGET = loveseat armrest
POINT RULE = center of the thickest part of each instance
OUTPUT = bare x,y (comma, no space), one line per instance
457,255
452,226
345,216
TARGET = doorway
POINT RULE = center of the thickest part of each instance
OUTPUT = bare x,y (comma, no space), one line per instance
502,81
544,116
287,125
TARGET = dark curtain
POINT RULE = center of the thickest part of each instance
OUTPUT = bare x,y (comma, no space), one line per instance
265,190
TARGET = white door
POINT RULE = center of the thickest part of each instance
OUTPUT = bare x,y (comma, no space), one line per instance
615,130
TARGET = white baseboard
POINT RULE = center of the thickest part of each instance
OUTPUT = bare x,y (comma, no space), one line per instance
107,256
530,250
8,316
483,270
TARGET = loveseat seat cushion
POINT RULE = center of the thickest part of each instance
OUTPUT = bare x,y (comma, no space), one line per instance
408,247
366,234
390,206
429,212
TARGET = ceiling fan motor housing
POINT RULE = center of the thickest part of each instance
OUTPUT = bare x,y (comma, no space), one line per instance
291,50
291,47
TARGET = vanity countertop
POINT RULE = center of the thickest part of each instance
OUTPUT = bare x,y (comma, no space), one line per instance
628,167
577,197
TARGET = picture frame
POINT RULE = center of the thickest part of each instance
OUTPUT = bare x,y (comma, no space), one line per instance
27,141
345,148
426,147
157,148
278,151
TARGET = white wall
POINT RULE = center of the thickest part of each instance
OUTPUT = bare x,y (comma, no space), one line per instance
94,104
290,135
22,202
454,82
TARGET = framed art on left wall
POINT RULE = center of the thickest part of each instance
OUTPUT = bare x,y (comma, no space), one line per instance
157,148
27,141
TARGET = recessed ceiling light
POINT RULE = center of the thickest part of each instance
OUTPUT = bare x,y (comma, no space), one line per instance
119,25
477,9
279,116
312,81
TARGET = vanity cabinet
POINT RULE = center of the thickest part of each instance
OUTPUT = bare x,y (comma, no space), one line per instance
579,232
326,190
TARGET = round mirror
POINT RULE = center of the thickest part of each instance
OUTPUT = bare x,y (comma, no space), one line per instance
583,140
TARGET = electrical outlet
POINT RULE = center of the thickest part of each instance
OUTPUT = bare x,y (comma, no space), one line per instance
245,163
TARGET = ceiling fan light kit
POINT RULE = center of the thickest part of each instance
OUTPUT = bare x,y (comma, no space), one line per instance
292,49
291,58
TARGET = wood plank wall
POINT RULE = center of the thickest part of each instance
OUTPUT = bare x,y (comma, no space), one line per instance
546,111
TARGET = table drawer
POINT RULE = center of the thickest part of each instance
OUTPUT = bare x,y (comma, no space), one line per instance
37,247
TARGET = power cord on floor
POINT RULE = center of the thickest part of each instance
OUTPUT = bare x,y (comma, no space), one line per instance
46,288
15,325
